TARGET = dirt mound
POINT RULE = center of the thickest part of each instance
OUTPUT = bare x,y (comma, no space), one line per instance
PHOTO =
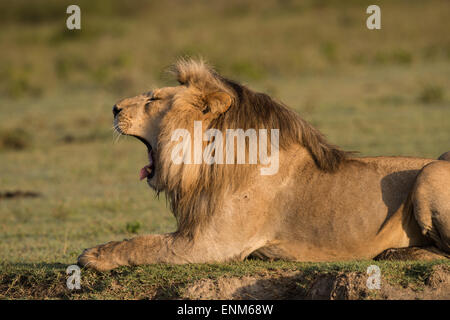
337,286
440,277
281,286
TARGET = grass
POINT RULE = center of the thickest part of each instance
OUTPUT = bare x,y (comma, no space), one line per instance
378,92
48,281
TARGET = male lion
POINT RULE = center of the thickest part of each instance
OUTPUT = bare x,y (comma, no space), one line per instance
322,205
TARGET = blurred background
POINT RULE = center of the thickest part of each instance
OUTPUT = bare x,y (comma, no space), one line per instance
380,92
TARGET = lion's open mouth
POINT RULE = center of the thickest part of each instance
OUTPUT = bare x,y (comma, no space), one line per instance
147,171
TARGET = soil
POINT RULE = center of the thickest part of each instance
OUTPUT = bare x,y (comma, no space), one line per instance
294,285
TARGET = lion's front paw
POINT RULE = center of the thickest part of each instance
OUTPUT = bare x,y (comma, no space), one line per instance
100,258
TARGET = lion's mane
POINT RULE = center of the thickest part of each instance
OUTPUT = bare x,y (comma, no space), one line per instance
194,191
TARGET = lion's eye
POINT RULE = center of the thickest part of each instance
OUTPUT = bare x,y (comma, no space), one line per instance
154,98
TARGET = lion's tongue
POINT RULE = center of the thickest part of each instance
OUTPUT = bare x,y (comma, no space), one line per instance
145,171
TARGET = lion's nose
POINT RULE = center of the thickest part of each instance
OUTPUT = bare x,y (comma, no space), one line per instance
116,110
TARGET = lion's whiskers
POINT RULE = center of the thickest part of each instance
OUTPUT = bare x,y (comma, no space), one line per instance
116,133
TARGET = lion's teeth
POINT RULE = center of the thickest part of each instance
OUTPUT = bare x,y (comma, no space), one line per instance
148,169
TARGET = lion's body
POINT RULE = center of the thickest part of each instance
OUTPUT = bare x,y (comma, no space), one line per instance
357,212
322,205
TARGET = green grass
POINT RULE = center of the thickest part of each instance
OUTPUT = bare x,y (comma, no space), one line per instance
383,92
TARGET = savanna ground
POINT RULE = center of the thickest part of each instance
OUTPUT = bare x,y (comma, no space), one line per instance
384,92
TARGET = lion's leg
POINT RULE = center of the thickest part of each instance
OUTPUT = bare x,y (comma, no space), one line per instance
445,156
158,248
122,253
413,253
431,201
167,248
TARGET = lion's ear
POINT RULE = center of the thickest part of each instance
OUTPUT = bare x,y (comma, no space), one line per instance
217,102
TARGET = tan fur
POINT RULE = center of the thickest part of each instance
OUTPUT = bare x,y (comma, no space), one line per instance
322,205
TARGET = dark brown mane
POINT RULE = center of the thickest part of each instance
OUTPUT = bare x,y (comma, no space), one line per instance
259,111
195,191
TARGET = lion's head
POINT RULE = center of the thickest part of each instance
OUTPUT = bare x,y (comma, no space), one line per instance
204,95
200,96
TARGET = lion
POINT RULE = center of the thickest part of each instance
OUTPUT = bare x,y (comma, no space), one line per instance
323,204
